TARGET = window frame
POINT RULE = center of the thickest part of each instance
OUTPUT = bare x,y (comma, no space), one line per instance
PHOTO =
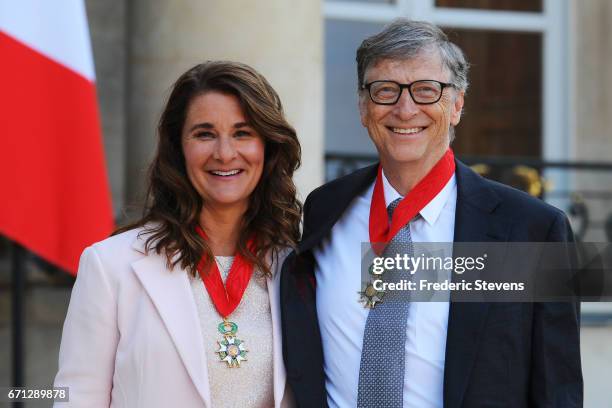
552,23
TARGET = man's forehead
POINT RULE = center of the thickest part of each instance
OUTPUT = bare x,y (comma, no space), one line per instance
425,62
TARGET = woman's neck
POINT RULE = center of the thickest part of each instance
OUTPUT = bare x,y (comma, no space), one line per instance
223,228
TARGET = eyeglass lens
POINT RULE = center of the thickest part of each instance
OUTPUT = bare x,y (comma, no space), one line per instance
421,91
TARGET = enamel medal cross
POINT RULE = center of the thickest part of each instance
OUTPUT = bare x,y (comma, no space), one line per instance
231,349
369,296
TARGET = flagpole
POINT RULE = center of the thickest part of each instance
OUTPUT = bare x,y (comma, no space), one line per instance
18,289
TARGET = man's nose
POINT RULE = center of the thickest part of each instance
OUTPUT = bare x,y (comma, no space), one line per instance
405,107
225,150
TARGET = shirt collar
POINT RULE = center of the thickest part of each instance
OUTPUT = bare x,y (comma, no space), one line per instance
432,210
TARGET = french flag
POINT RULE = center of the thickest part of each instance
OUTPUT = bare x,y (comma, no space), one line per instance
55,195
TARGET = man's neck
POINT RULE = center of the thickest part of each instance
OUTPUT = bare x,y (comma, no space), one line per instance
404,176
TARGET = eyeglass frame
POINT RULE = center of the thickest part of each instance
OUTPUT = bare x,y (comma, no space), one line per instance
443,85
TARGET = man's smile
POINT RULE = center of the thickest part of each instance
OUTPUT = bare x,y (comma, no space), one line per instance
406,131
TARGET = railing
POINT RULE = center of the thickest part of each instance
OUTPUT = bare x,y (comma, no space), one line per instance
590,209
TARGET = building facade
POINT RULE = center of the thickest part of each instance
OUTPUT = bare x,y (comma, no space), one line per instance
540,89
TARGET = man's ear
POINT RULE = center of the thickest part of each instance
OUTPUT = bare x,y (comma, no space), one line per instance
363,105
457,108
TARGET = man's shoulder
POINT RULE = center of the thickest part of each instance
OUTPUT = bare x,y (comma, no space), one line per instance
511,201
326,204
518,202
339,185
531,219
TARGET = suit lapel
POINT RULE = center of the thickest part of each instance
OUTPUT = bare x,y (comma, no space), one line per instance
171,294
277,347
475,221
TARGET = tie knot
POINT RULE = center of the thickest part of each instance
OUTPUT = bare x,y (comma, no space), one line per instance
391,208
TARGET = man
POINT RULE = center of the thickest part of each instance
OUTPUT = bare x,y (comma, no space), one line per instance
412,83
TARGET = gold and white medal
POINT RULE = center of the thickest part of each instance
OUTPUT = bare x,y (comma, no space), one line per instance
231,349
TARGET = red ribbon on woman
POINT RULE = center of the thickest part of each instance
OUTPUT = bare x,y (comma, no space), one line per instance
226,298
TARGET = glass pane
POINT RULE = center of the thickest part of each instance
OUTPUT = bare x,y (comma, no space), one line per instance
502,115
508,5
343,130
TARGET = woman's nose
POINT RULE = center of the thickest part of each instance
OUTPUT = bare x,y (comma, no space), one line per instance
225,150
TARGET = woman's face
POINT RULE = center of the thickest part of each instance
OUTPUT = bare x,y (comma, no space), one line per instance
224,156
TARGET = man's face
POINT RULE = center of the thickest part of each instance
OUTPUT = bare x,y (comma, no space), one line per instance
409,133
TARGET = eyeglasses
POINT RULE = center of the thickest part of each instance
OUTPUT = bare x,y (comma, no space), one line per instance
423,92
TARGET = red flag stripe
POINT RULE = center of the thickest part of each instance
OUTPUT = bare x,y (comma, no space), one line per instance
56,197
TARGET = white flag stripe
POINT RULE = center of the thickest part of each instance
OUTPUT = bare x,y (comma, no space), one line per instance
56,28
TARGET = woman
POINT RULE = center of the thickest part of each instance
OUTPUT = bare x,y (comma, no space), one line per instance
181,308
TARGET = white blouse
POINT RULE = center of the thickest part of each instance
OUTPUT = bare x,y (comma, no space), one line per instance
251,384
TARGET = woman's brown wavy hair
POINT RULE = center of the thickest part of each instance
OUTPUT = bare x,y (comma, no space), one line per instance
173,206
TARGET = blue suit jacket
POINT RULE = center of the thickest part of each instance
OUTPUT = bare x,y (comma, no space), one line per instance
497,354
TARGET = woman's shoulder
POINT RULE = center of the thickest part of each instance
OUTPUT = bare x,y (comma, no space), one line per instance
127,239
121,249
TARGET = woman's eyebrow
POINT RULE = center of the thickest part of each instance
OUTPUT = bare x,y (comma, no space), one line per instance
204,125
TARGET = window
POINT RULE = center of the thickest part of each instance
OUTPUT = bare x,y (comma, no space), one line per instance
518,107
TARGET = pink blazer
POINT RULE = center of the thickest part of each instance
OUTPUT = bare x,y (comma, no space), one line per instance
132,336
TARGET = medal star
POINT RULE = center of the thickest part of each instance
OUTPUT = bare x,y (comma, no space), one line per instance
232,351
370,296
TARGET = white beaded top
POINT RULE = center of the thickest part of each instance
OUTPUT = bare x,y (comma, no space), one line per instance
250,385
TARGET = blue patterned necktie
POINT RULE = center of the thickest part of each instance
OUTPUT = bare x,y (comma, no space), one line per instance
381,371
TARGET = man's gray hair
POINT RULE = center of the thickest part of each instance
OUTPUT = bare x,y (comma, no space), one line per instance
404,39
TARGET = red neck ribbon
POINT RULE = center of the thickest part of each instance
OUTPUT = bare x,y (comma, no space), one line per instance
417,198
226,298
